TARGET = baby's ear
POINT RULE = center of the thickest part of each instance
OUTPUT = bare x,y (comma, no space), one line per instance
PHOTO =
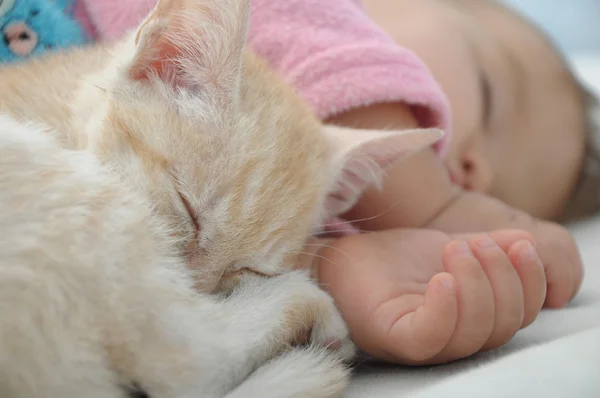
361,157
197,44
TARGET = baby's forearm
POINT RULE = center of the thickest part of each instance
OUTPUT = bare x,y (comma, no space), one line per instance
474,212
417,192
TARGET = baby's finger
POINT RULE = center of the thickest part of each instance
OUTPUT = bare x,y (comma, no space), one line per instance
475,302
422,334
506,287
533,279
576,268
505,238
578,273
561,260
559,283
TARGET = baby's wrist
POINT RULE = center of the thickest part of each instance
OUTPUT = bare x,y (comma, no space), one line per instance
475,212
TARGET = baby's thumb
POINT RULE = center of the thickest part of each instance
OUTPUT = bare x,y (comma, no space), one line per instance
422,334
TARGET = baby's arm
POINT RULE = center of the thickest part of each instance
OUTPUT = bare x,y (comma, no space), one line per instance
418,192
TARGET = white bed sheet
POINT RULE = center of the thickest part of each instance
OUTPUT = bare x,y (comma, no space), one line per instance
558,356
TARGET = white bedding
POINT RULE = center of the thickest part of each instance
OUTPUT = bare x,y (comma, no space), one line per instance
556,357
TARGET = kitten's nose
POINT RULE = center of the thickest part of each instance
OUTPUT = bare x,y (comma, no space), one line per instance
20,38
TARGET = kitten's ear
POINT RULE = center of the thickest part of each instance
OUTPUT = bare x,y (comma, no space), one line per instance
361,157
192,43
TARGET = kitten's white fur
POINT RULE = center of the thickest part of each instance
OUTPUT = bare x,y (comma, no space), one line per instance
94,297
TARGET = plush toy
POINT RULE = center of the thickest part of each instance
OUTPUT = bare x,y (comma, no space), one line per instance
31,27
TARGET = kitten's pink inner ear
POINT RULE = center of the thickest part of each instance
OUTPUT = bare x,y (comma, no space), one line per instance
158,65
361,157
193,43
156,49
162,13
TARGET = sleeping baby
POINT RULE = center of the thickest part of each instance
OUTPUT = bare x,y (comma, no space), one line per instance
460,247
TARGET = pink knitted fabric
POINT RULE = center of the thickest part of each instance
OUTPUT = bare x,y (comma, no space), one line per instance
329,50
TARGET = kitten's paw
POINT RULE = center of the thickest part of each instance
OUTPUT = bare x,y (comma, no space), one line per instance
297,373
330,330
312,312
300,311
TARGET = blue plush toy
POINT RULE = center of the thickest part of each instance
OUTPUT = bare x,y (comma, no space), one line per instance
31,27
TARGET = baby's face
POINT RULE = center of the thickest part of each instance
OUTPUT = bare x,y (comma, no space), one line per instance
518,127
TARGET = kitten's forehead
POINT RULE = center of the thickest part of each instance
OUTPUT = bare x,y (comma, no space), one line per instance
270,136
273,177
256,173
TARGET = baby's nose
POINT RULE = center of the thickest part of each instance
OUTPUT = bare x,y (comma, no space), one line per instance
20,38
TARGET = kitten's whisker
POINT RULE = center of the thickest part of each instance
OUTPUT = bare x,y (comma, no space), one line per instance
321,257
363,219
329,247
358,231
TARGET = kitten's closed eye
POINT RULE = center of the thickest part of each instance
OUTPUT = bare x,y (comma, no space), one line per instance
229,280
192,213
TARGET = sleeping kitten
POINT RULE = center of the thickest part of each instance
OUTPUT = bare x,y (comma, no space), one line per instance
161,169
94,298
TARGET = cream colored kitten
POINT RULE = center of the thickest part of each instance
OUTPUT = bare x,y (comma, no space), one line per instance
159,170
93,297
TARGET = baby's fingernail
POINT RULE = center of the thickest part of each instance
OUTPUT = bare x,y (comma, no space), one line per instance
447,283
463,247
528,252
485,242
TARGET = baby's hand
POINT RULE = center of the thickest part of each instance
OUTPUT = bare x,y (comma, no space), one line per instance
420,297
554,244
